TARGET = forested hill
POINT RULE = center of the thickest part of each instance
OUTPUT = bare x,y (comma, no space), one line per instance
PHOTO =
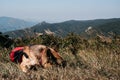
80,27
110,27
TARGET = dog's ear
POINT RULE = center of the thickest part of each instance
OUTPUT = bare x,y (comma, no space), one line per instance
55,48
55,53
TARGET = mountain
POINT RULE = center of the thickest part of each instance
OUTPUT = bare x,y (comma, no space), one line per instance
79,27
10,24
110,27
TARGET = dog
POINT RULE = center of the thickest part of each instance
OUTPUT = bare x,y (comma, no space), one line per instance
36,55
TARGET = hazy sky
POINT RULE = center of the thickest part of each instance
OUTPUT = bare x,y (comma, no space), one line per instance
60,10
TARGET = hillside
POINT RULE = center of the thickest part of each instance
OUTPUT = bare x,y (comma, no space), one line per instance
87,59
79,27
10,24
110,27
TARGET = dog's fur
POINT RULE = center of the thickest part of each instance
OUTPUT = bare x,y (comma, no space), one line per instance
40,55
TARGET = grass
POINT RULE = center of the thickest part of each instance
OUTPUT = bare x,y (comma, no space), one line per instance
96,61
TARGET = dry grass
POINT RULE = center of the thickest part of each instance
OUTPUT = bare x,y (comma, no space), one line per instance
94,62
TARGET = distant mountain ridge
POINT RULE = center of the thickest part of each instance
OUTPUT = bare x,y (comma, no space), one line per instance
79,27
10,24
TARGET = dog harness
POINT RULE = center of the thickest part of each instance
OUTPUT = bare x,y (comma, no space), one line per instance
16,54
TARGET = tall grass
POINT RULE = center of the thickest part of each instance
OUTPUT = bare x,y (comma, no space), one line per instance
87,59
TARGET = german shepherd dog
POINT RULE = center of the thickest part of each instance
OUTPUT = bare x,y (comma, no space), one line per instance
36,55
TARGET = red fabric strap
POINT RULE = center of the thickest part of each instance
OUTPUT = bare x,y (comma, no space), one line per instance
13,53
